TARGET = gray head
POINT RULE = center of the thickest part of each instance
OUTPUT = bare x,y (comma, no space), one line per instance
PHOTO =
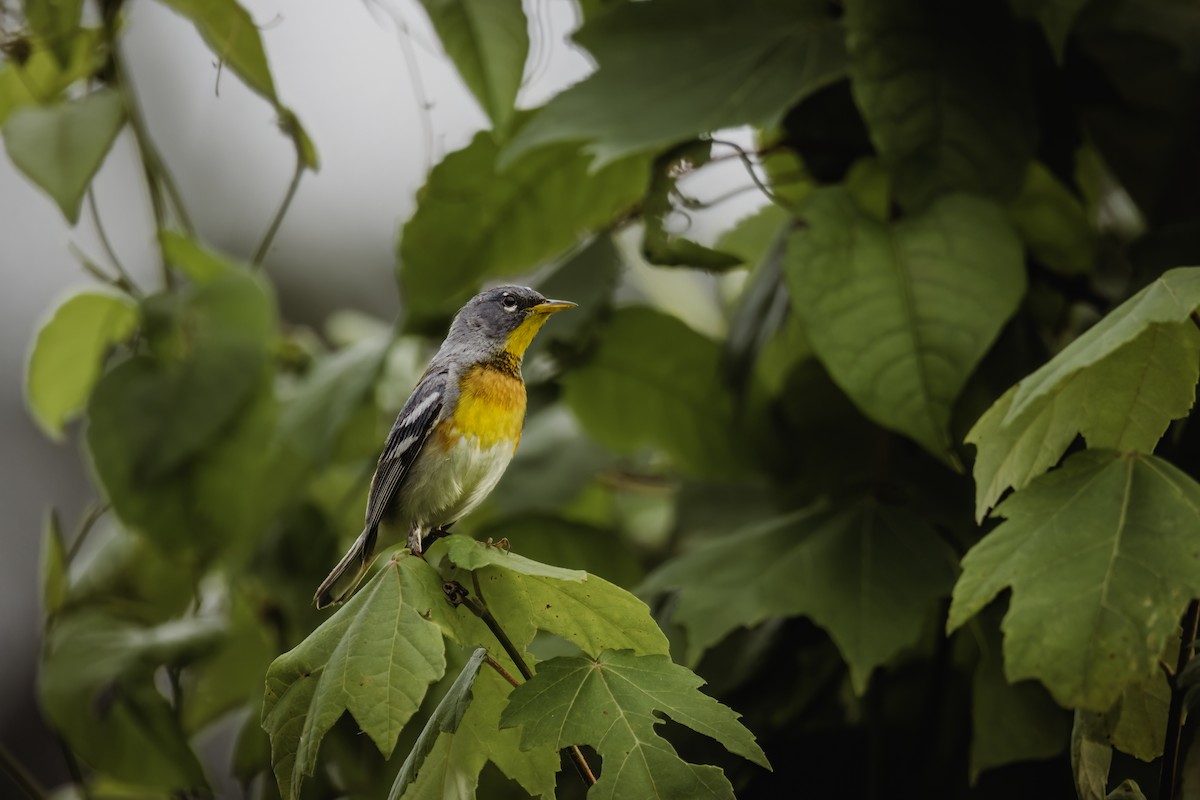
503,319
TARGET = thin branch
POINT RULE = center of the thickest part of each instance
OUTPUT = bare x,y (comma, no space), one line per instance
97,272
496,665
750,170
277,220
158,177
73,768
459,596
123,275
406,38
1170,761
22,777
94,513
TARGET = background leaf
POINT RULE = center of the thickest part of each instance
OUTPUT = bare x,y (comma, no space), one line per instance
488,41
68,355
1114,533
476,219
626,398
901,314
839,566
60,147
713,70
941,92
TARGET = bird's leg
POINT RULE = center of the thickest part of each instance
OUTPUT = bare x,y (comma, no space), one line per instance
427,539
414,541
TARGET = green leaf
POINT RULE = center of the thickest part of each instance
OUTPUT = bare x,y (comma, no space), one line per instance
54,22
444,719
941,92
462,735
96,685
1171,298
661,246
193,259
869,574
609,703
172,408
232,677
475,220
592,613
1138,722
674,69
900,314
469,554
1053,223
231,34
317,412
182,442
627,397
68,354
1011,723
1119,384
1091,755
488,41
61,147
375,658
577,545
53,565
41,78
1106,541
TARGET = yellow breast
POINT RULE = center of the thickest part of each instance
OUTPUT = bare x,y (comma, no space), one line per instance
491,408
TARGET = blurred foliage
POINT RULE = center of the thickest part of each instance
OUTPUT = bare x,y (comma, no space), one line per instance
975,229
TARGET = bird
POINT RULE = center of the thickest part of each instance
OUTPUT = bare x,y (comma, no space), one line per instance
456,433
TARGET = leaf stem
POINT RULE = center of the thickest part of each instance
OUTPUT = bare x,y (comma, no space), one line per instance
478,607
1171,742
85,527
277,220
123,279
22,777
496,665
762,187
73,768
158,177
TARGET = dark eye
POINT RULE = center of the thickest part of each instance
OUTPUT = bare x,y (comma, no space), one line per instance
509,302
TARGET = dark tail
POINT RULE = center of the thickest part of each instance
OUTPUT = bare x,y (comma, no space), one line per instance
362,552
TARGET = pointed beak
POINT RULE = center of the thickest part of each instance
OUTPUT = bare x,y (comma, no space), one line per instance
552,306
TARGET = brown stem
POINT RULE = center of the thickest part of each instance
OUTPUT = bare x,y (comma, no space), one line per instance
1170,762
459,596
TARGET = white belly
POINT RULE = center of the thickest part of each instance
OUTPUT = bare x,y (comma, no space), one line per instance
444,487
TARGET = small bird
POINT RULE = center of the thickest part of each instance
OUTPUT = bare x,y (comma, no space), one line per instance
458,430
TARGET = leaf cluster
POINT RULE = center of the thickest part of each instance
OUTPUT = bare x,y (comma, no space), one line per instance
914,487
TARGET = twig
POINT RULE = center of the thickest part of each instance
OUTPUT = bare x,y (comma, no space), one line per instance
459,596
1171,742
73,768
766,190
496,665
123,276
94,513
158,177
277,220
20,776
97,272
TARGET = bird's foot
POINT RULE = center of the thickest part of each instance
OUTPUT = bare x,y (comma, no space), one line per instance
500,545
